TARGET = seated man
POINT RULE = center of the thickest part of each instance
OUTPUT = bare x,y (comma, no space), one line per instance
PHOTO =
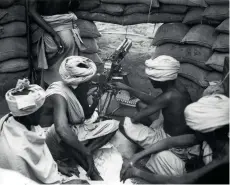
71,136
162,73
209,117
57,36
21,149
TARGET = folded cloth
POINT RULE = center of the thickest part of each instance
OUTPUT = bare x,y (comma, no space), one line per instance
162,68
208,113
22,105
77,69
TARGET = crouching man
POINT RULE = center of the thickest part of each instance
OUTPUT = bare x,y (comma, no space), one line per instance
73,136
162,72
209,118
21,149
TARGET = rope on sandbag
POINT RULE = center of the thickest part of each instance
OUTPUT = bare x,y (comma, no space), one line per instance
150,7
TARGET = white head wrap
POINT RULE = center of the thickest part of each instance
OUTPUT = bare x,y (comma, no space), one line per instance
208,113
23,105
162,68
72,74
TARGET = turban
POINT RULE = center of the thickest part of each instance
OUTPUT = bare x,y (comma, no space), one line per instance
25,99
208,113
77,69
162,68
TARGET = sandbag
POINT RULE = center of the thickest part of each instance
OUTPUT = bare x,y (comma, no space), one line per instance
192,54
195,74
138,18
154,3
9,80
170,33
214,76
13,29
14,65
6,3
194,90
216,61
111,9
211,2
88,4
216,12
202,35
87,29
90,45
195,16
222,43
142,8
223,27
226,77
11,14
200,3
13,47
94,57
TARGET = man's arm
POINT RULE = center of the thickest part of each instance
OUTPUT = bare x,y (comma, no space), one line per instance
157,104
62,127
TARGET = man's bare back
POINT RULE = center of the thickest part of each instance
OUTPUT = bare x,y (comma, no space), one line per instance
174,120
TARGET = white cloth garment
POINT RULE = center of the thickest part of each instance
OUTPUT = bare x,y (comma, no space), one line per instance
77,69
22,105
162,68
208,113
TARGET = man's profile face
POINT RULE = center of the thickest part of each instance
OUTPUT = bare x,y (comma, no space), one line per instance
155,84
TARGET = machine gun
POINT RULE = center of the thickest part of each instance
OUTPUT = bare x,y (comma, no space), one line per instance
112,72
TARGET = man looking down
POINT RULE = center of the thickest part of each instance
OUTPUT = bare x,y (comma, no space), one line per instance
71,135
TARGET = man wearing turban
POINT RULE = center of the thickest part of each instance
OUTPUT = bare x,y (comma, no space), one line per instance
162,72
21,149
74,133
209,118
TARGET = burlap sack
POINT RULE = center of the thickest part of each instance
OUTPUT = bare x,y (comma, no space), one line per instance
222,43
111,9
214,76
202,35
13,29
192,54
153,3
88,4
211,2
11,14
90,46
87,29
13,47
136,8
138,18
9,80
6,3
195,74
14,65
170,33
216,12
200,3
195,16
216,61
194,90
223,27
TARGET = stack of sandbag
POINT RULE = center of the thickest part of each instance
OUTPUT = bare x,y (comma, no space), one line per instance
89,33
13,44
129,12
193,47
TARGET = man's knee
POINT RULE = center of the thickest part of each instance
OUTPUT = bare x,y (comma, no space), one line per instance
166,163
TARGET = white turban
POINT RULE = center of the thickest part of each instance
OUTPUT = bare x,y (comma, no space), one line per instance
73,74
26,104
208,113
162,68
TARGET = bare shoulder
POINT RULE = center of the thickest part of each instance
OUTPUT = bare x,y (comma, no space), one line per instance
57,101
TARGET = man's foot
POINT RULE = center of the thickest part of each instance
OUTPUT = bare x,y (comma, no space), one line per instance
95,176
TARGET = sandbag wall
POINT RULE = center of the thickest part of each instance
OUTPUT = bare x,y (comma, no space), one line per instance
200,44
13,44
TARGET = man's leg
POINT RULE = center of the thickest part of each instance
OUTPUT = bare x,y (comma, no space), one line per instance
166,163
